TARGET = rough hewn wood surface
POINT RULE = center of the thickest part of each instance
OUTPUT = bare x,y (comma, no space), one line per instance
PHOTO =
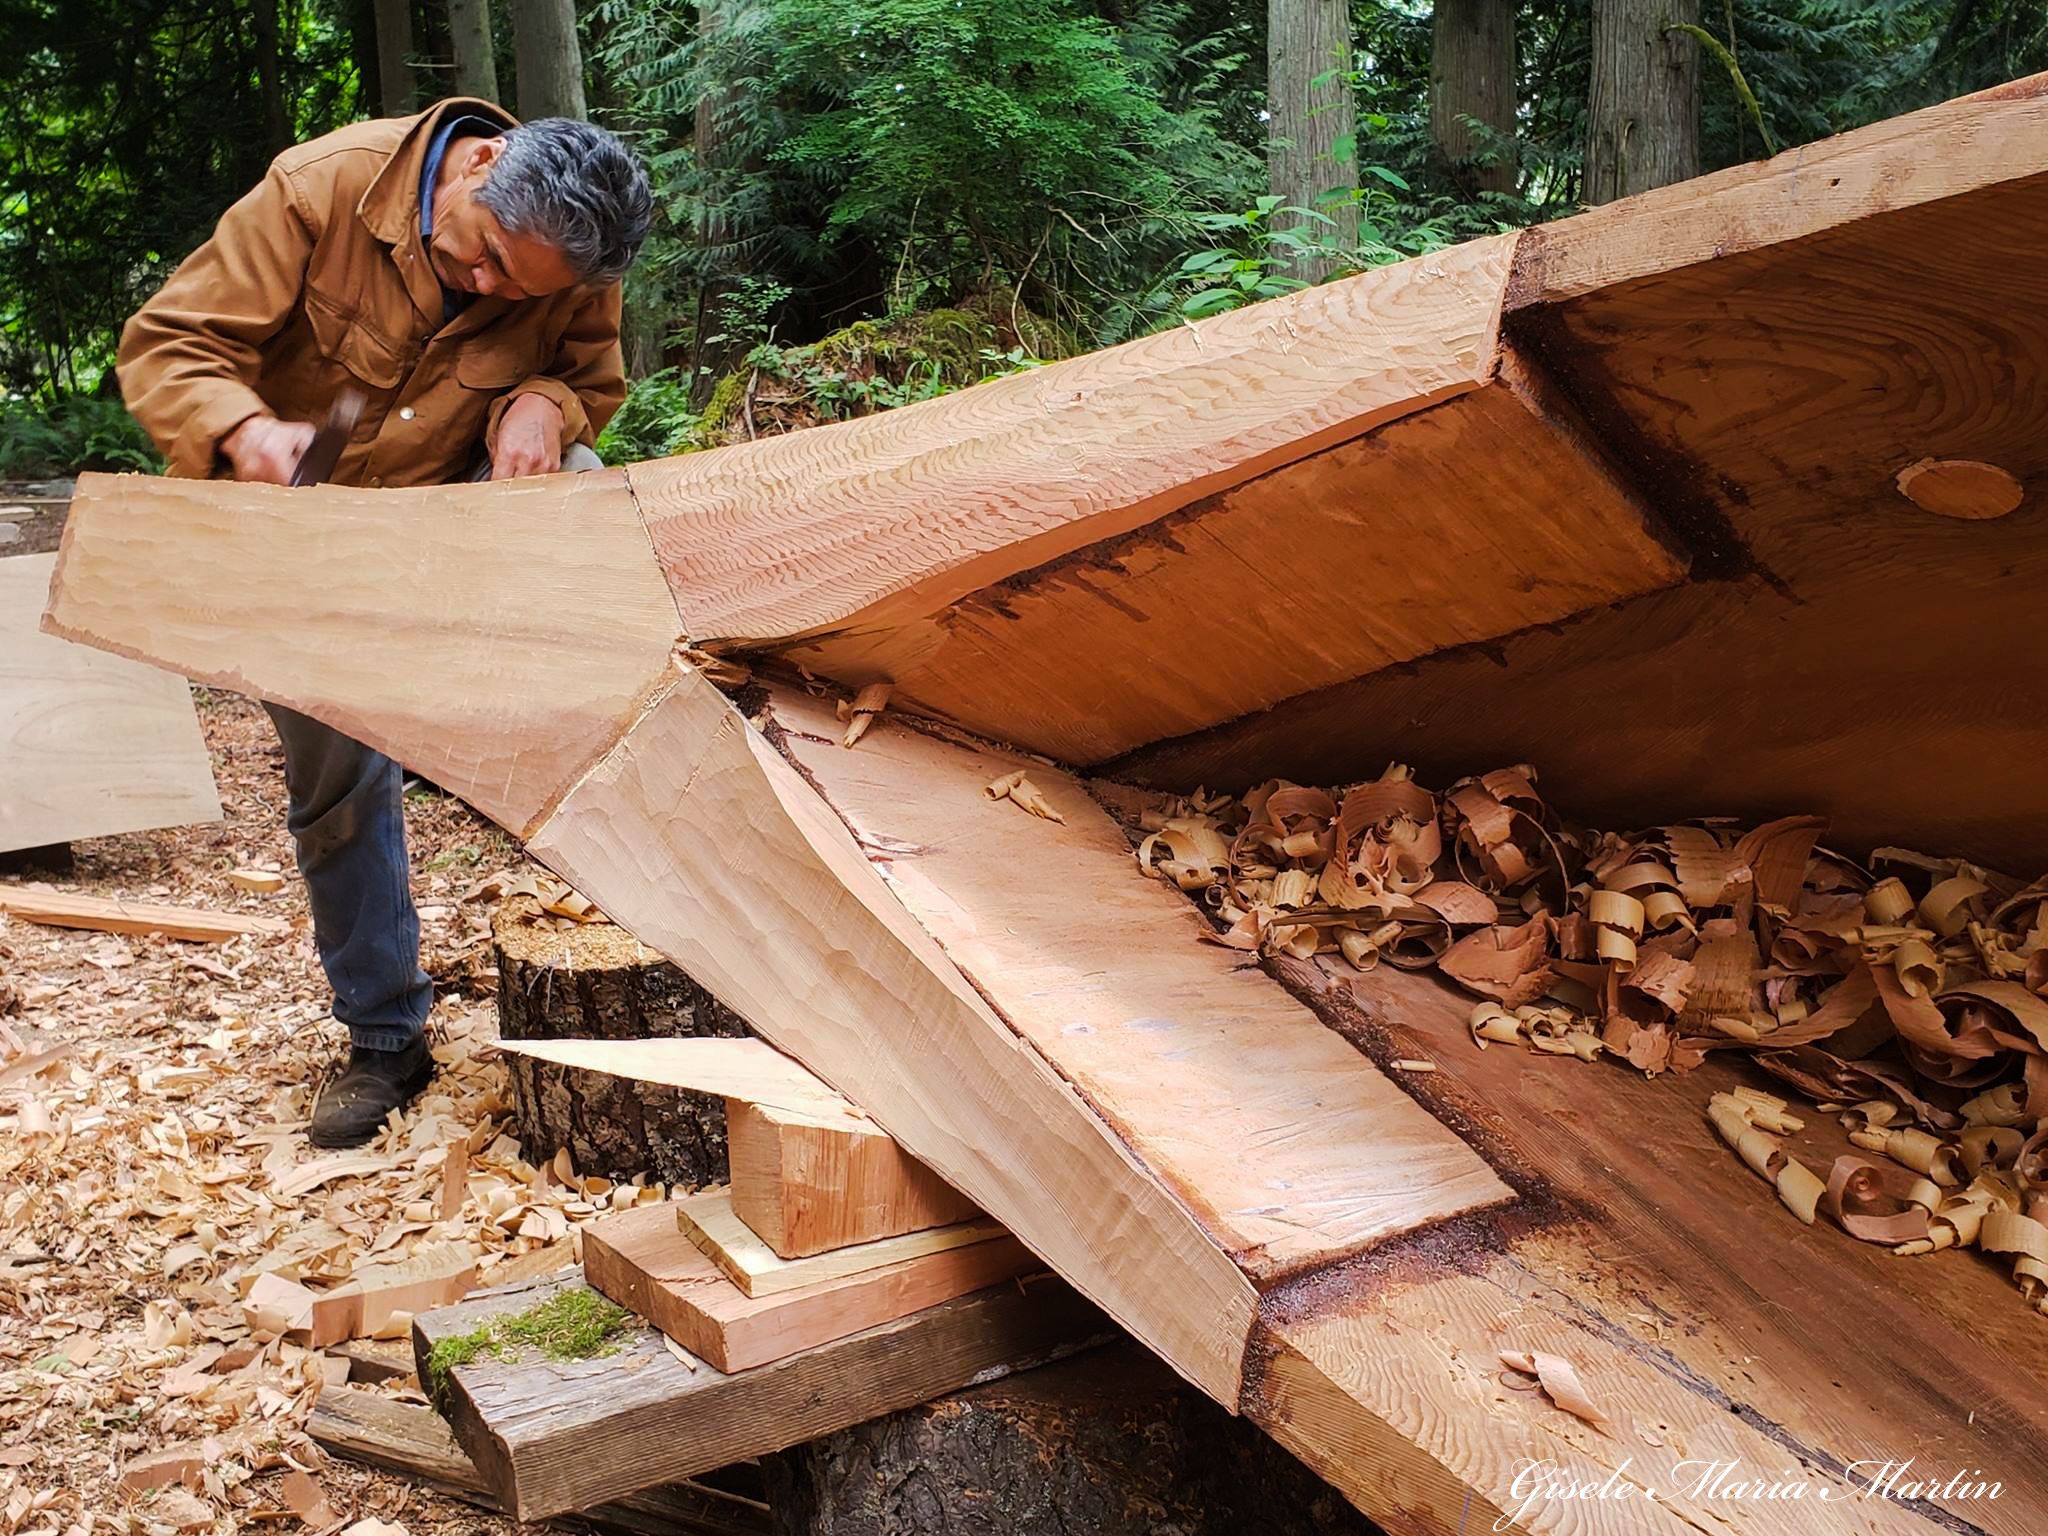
1289,1147
1703,1318
495,655
594,981
697,833
1109,1443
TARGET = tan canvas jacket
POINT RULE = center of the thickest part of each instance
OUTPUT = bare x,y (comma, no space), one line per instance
317,280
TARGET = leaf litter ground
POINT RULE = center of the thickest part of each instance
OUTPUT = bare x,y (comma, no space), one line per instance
153,1166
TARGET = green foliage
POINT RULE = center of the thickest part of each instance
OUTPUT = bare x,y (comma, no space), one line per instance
1254,261
654,422
905,155
62,434
126,127
1259,250
862,368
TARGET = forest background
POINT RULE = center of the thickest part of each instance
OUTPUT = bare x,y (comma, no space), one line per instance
868,202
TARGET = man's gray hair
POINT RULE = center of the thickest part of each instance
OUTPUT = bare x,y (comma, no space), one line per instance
575,187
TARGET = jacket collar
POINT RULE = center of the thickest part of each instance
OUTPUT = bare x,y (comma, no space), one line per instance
391,206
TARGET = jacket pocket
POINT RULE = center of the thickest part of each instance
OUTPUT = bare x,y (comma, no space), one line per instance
494,363
344,338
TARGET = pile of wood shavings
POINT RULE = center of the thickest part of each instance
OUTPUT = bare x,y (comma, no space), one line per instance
1912,993
153,1168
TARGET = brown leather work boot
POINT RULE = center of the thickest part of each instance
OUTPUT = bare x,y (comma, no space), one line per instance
353,1108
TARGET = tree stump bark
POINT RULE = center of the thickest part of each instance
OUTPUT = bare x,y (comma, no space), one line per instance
1109,1442
594,981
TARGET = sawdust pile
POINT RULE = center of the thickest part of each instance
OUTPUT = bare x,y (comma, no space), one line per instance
1909,995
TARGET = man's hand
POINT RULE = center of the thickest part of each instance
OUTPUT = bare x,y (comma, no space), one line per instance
264,448
529,439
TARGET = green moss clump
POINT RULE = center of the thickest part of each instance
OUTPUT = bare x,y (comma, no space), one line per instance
575,1324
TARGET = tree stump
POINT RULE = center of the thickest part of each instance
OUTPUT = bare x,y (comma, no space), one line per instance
594,981
1110,1442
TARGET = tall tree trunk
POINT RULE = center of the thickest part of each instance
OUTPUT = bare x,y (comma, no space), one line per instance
277,133
362,49
469,38
726,164
547,58
1472,74
398,86
1313,148
1643,111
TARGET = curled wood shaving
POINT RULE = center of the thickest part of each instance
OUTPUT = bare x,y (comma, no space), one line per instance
2026,1239
1917,981
1560,1383
1871,1201
859,714
1019,790
721,670
1744,1120
555,897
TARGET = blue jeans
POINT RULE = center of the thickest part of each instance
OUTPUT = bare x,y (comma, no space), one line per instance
347,817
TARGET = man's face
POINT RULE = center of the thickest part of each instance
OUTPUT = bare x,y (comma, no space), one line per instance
471,251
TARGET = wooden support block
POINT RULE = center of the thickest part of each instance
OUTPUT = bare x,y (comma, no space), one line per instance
551,1435
807,1183
641,1260
61,910
383,1432
709,1221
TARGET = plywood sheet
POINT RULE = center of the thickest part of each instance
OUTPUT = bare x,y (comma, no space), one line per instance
90,744
496,637
1289,1146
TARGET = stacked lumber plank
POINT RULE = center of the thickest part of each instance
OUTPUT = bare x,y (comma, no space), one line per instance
1639,495
741,1296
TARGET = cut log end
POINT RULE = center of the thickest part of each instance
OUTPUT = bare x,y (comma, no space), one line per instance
594,981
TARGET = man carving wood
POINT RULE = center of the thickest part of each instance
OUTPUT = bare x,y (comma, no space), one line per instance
461,271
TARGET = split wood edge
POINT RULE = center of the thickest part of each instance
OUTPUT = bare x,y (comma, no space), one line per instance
764,849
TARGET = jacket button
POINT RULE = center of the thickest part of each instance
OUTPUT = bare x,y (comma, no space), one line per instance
376,482
406,413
